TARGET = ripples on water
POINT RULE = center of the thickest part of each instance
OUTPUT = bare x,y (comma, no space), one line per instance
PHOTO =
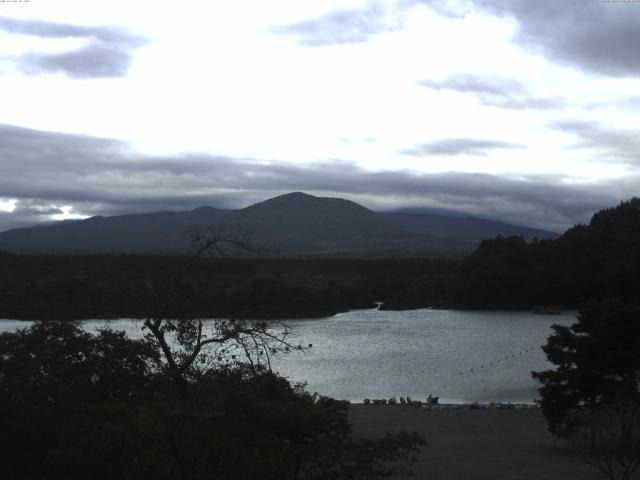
457,355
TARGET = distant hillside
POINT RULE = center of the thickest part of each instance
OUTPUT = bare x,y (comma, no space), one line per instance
295,224
462,227
146,232
588,262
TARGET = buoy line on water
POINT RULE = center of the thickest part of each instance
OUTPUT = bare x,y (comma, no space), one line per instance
496,363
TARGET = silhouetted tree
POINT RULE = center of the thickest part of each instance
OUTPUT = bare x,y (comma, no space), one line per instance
54,377
597,363
209,240
75,405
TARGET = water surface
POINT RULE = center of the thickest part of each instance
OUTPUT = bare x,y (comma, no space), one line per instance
460,356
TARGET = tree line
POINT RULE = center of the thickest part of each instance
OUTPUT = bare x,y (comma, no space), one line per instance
116,286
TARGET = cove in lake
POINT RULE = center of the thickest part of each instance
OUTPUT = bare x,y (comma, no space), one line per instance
461,356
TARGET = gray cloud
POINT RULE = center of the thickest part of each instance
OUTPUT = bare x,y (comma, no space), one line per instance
341,27
107,51
445,8
28,212
614,145
458,146
45,170
494,91
594,35
622,101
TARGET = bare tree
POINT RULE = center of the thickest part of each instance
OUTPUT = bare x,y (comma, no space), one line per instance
192,348
211,241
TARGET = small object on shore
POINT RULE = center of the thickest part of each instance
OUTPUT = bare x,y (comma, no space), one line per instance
431,406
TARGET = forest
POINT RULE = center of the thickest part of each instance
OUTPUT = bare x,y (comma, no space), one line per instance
589,262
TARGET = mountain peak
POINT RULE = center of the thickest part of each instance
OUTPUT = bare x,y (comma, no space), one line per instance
295,223
295,195
300,201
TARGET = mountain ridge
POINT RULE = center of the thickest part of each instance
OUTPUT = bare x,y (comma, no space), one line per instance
293,224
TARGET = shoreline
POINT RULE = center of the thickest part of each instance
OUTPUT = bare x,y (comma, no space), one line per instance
454,405
292,316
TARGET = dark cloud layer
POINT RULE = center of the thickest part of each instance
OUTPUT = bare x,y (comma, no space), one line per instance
599,36
494,91
595,35
614,145
458,146
107,51
340,27
45,171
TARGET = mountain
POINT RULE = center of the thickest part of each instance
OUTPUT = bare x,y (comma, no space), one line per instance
159,231
295,224
461,227
303,224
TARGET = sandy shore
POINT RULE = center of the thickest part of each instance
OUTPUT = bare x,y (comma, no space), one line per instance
477,444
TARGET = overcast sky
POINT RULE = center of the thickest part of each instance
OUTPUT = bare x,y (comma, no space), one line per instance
522,110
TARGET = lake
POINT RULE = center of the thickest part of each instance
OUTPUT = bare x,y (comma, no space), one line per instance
461,356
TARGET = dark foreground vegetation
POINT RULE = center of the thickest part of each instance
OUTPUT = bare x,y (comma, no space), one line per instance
589,262
592,397
176,405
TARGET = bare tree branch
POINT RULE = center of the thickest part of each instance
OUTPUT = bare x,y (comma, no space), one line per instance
208,239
